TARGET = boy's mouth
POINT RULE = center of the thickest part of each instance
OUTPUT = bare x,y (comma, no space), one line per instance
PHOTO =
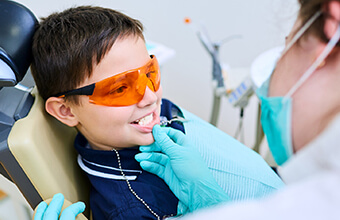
146,123
145,120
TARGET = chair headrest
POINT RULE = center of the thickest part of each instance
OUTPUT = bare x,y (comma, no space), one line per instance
17,26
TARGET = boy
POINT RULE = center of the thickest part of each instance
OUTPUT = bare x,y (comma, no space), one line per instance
92,68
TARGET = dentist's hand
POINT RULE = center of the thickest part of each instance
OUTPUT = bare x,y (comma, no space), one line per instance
182,168
52,211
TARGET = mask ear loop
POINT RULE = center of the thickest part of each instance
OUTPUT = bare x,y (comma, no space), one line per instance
329,47
298,34
302,30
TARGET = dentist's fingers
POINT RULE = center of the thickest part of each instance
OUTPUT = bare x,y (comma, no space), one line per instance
72,211
150,148
54,208
39,213
165,138
154,168
175,135
163,141
159,158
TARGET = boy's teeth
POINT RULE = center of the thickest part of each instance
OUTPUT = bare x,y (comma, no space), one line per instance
146,120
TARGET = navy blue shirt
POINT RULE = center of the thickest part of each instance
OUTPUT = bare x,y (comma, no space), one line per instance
110,197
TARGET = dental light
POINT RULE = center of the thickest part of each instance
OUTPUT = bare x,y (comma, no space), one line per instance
17,25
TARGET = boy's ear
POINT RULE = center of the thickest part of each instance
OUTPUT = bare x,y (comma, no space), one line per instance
332,8
58,108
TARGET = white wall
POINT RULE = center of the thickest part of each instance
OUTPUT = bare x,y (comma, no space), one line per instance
186,77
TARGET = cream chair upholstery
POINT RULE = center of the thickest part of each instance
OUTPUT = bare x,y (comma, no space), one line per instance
43,147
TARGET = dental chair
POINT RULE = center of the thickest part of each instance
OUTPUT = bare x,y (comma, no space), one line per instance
36,150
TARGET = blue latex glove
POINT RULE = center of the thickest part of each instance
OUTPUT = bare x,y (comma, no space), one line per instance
52,211
182,168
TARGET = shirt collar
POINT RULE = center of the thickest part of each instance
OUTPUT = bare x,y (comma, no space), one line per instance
105,163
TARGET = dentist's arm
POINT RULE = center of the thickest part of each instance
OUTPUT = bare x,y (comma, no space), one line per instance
182,168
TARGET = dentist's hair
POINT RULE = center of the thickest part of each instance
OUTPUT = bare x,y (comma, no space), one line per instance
67,45
307,9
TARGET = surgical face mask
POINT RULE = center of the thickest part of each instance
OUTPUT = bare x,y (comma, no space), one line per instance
277,111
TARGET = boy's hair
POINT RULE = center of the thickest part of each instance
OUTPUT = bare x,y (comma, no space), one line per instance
66,45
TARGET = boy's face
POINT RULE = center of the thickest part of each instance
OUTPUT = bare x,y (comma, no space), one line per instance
108,127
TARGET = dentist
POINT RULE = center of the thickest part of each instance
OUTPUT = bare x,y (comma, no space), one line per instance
300,106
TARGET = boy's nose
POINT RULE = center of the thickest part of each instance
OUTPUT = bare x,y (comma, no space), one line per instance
149,98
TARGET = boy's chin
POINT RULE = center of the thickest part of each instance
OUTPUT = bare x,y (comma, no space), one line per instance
148,140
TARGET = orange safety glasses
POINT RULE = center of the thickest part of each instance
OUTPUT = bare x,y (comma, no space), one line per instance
124,89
